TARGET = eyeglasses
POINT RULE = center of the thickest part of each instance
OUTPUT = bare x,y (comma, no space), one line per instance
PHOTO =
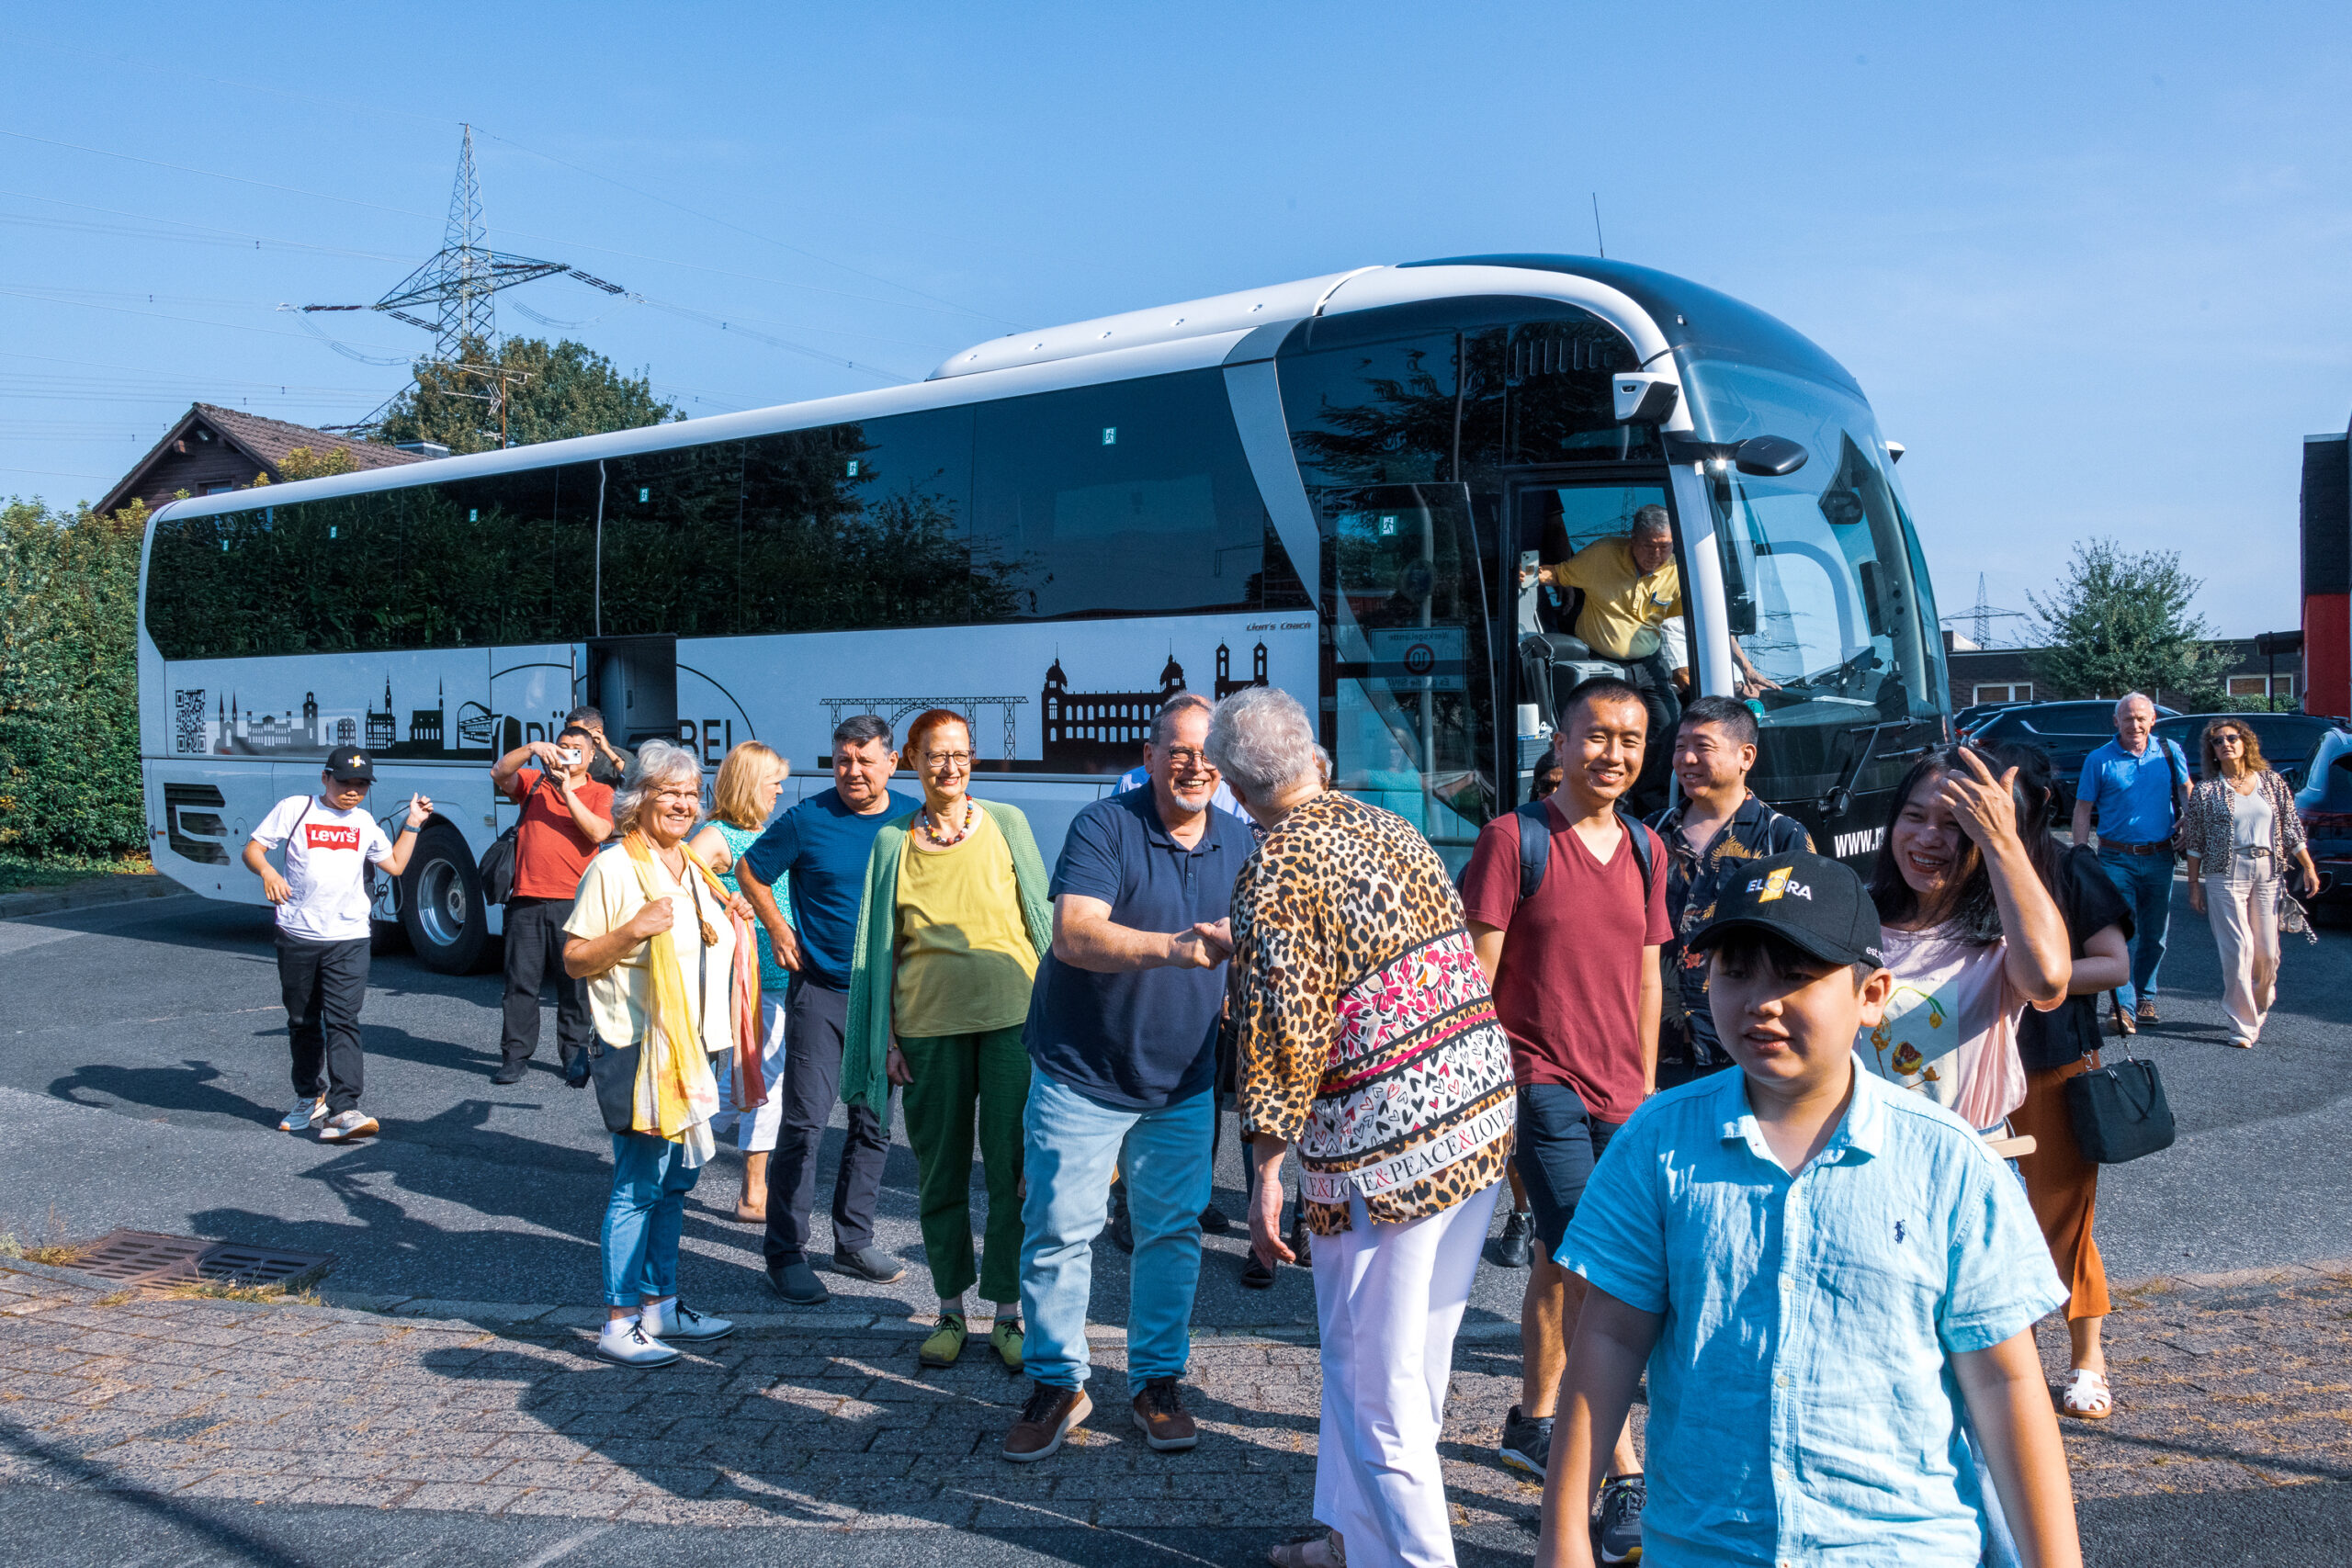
2229,738
948,758
1190,758
692,794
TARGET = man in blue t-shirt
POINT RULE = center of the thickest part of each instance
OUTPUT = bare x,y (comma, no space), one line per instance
2137,787
1122,1036
824,843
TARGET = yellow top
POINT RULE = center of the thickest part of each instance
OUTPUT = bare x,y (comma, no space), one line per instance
1623,609
962,964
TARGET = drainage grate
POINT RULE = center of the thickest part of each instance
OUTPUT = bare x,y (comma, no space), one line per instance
143,1257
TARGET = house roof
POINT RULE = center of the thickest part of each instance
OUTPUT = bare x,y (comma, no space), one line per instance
266,441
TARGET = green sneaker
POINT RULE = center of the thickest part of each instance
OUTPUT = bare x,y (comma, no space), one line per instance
1005,1337
946,1342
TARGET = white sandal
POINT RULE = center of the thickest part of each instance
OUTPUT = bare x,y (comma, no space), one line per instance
2087,1396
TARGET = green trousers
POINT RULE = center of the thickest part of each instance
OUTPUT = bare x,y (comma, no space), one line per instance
964,1082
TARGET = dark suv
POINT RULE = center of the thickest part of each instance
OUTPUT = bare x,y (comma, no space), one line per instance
2288,739
2068,731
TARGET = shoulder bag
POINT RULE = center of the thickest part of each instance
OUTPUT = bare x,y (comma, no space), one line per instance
496,867
2119,1110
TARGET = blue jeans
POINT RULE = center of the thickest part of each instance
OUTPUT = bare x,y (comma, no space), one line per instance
2145,882
1072,1142
643,1217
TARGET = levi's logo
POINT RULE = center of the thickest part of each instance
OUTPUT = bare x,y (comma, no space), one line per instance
327,836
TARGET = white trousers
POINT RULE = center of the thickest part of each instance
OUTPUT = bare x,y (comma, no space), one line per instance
755,1130
2243,909
1389,1299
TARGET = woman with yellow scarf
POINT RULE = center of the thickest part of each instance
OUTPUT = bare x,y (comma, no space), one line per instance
655,936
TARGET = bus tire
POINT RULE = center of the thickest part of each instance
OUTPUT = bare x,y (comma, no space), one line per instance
441,903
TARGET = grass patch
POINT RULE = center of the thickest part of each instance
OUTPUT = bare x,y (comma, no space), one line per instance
52,1249
20,873
215,1290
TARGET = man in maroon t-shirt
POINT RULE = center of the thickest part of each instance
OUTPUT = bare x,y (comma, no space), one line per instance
565,816
1575,969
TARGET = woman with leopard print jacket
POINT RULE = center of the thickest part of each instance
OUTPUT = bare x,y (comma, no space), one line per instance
1366,1036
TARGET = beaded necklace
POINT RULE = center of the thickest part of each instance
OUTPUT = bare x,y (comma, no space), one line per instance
923,826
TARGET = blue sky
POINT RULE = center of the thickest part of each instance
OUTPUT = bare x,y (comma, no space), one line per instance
2089,262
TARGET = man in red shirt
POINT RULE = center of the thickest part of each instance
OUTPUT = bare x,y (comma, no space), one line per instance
565,817
1575,969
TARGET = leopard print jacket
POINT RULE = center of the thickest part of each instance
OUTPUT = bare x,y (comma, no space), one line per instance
1365,1034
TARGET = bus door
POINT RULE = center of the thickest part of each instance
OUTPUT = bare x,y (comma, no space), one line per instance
633,681
1550,515
1407,688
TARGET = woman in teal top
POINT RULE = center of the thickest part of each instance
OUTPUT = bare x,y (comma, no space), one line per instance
949,933
743,799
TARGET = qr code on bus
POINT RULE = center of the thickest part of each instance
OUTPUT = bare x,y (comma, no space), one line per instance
188,720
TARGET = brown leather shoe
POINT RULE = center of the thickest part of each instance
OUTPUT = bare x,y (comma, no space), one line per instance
1044,1421
1161,1419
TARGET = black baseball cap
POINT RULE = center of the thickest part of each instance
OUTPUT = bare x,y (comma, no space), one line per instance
350,763
1817,904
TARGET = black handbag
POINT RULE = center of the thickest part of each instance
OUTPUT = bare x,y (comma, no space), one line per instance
2120,1112
613,1069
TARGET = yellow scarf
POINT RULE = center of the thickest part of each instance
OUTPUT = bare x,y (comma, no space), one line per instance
676,1095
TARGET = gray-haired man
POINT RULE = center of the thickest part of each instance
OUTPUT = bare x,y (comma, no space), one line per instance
822,845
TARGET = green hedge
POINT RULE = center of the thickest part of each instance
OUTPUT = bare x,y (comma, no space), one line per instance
69,681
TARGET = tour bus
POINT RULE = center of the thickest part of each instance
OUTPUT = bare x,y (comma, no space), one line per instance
1342,487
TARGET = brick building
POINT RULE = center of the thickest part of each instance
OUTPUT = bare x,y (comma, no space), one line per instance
212,449
2272,662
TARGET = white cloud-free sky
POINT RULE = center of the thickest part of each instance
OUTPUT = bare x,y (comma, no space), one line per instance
2089,261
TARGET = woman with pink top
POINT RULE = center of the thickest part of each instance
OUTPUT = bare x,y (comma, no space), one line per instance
1971,935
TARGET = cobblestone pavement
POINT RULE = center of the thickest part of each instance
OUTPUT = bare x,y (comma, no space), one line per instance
823,1420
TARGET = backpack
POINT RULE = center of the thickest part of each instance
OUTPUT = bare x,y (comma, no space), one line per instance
496,867
1535,848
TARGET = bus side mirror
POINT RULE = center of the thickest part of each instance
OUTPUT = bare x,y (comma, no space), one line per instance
1768,457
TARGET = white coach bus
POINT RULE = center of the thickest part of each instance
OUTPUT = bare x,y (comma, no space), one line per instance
1337,486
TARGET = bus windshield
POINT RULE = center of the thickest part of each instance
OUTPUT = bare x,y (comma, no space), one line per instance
1824,590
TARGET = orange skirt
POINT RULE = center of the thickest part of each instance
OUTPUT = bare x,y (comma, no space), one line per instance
2063,1188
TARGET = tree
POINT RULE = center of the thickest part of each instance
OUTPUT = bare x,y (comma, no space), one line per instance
552,393
2119,622
69,680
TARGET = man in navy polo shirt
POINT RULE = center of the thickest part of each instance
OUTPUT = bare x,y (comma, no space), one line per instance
1122,1035
2137,784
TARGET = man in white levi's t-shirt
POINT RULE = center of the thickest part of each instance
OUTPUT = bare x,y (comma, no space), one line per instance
322,898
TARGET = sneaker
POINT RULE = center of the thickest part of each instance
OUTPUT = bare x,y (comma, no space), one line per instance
1621,1499
2148,1010
1044,1421
304,1111
798,1283
869,1263
1257,1274
1527,1443
1161,1419
1005,1340
509,1072
946,1342
1121,1229
1302,1242
346,1124
625,1341
1214,1221
673,1319
1515,1246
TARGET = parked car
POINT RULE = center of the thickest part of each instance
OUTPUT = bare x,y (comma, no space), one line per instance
2325,803
1968,718
2068,731
2288,739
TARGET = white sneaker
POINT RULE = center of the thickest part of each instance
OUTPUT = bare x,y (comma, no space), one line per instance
346,1124
624,1340
305,1112
673,1319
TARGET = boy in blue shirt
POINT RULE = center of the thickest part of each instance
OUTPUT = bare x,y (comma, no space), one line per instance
1833,1283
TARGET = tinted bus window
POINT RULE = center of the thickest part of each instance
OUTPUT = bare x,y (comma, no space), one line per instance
670,545
1129,499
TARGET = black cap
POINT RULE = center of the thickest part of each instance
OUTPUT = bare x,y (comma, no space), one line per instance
1818,903
350,762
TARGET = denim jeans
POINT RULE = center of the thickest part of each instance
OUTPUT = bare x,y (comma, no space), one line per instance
2145,882
1072,1142
643,1217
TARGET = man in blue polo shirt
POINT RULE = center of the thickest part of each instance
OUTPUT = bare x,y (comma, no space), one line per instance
2137,787
823,844
1122,1034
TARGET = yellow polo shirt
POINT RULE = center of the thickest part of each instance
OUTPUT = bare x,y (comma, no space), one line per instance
1620,604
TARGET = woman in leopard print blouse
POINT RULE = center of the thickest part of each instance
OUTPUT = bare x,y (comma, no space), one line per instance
1366,1036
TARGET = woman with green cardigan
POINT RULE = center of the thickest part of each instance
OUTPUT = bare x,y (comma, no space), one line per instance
952,923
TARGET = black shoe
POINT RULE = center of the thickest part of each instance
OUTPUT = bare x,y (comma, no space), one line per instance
575,1070
1212,1221
1301,1239
510,1072
869,1263
1512,1248
1257,1273
1123,1230
798,1283
1621,1499
1527,1444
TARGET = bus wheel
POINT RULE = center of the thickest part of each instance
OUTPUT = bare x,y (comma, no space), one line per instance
441,902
